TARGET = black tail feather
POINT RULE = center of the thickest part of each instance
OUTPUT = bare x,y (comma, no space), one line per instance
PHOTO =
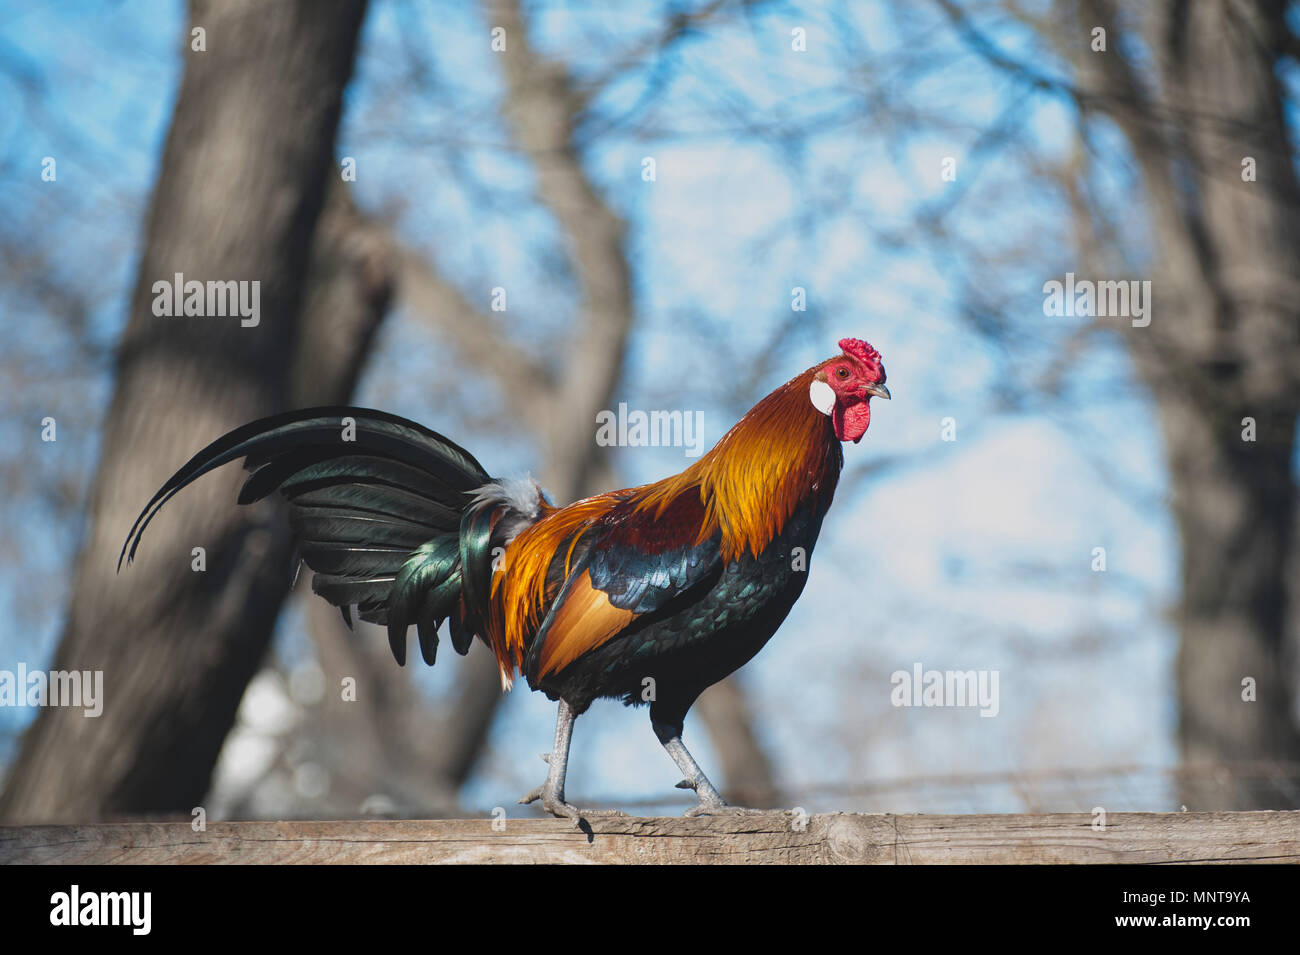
387,516
378,435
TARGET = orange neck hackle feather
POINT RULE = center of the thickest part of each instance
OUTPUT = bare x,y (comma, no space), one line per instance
753,479
750,484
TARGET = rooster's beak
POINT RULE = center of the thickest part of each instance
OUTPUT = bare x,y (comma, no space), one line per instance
879,390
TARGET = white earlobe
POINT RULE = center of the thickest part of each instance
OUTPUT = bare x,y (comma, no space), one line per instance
822,396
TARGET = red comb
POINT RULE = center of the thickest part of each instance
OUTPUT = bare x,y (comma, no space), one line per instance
857,348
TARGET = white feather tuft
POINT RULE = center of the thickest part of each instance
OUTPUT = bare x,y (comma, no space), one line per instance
522,498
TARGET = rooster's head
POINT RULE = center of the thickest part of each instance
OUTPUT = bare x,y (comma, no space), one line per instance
844,386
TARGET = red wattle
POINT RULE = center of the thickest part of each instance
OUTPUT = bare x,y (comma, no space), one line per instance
850,422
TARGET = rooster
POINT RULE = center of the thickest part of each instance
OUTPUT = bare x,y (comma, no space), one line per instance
649,594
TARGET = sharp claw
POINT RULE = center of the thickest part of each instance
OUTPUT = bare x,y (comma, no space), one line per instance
686,784
546,758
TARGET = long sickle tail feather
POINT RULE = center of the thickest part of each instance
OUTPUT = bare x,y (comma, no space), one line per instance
377,510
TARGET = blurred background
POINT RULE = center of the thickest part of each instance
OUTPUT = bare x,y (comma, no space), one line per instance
499,220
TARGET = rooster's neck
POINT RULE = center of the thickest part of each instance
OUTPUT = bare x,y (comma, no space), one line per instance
779,455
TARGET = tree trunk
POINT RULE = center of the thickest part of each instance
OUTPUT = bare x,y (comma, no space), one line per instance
1223,346
240,190
1234,499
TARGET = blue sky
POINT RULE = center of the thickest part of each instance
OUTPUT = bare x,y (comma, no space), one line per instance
967,554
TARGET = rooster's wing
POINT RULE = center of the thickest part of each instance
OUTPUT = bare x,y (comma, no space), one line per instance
641,563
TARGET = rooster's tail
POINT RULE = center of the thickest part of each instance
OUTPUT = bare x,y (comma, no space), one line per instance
394,519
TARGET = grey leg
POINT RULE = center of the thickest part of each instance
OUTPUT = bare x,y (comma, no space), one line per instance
551,793
694,777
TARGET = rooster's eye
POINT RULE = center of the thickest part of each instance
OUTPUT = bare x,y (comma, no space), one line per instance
841,373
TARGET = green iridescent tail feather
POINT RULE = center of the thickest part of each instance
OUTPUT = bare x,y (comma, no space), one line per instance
382,509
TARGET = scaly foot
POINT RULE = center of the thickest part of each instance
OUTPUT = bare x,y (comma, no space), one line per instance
554,804
551,793
711,802
552,797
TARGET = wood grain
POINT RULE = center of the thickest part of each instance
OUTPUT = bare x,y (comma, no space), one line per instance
757,838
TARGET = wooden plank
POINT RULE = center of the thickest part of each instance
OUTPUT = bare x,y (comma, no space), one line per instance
756,838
